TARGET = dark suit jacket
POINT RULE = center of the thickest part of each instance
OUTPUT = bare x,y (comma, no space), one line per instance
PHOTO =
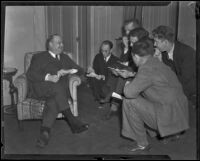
185,67
125,57
101,67
43,63
101,87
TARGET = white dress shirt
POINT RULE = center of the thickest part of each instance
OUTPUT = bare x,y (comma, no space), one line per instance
171,52
53,55
107,58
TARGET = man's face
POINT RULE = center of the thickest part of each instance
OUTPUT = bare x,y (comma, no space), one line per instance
129,27
56,45
160,44
136,59
133,39
125,40
105,49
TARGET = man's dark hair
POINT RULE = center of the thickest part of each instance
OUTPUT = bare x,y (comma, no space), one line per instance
139,33
49,39
134,21
107,42
164,32
143,47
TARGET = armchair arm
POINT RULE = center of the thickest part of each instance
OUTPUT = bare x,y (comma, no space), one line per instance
74,81
21,83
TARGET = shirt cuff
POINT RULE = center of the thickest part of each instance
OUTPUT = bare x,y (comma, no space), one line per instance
46,77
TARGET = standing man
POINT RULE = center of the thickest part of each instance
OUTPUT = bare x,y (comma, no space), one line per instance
48,80
154,98
180,57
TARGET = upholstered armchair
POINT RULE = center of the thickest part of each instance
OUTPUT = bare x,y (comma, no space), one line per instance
28,108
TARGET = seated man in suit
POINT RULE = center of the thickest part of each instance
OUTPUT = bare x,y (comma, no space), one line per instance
180,57
154,98
48,80
98,74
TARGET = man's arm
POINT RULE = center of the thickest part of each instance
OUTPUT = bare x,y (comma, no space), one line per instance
141,81
70,64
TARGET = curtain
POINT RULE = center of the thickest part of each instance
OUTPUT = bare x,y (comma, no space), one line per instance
187,23
62,20
153,16
132,12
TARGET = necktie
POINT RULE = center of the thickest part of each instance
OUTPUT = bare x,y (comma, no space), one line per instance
167,61
57,57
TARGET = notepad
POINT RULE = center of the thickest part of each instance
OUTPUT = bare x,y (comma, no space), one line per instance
116,95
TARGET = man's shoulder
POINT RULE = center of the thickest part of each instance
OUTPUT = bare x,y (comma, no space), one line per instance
41,54
114,57
183,47
98,56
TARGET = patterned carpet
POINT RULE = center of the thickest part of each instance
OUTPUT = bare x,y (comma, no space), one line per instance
103,137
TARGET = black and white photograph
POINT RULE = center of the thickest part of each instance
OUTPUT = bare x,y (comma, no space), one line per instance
100,80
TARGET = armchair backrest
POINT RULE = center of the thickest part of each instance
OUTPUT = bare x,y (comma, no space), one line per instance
28,57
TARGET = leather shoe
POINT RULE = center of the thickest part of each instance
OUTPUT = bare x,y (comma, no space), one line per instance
102,101
172,138
135,148
140,148
80,129
110,114
43,140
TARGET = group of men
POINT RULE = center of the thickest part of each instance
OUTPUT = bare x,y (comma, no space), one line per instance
154,77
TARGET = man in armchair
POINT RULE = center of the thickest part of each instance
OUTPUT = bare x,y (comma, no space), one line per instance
48,77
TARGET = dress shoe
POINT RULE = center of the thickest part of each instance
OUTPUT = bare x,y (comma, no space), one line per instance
43,140
102,101
172,138
140,148
80,129
135,148
110,114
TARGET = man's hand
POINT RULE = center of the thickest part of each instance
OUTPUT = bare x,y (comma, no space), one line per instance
124,63
53,78
126,73
90,70
114,72
100,77
127,82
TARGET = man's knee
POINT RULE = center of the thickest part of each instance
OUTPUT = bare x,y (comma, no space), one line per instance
126,104
130,104
58,88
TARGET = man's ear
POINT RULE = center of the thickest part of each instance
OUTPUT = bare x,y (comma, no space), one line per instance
166,42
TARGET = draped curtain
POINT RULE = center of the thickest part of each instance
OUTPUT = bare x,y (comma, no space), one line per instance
153,16
62,20
132,12
71,22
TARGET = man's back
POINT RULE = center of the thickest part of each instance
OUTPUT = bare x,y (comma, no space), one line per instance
185,63
165,86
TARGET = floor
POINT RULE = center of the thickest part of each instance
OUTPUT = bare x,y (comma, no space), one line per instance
103,137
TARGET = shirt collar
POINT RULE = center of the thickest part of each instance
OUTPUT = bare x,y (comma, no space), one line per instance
107,58
54,55
170,53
